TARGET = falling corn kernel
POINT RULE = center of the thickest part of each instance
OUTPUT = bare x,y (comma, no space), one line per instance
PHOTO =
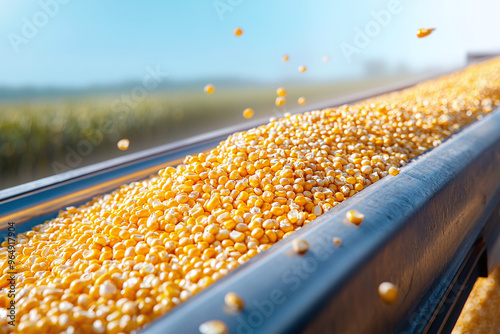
301,100
281,91
326,59
248,113
233,301
355,217
300,246
337,241
302,68
213,327
238,31
123,144
209,89
285,58
280,101
424,32
388,292
393,171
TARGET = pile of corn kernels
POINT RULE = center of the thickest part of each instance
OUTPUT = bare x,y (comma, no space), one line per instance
125,258
481,312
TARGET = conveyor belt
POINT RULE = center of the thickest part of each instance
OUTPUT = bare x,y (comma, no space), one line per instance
431,231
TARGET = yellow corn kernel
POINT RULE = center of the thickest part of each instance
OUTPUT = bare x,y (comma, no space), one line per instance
300,246
123,144
280,101
101,240
91,254
213,327
281,91
233,301
300,200
209,89
355,217
388,292
257,233
277,211
393,171
213,203
337,241
248,113
424,32
238,31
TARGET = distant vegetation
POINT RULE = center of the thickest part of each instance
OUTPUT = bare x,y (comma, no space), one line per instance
44,136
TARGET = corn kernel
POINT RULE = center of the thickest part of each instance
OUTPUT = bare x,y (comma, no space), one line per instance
388,293
280,101
424,32
300,246
123,144
238,31
355,217
213,327
393,171
233,301
248,113
337,241
281,91
209,89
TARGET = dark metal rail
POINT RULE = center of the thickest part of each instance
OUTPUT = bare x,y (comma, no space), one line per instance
431,230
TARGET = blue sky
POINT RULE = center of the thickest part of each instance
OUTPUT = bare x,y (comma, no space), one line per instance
100,42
